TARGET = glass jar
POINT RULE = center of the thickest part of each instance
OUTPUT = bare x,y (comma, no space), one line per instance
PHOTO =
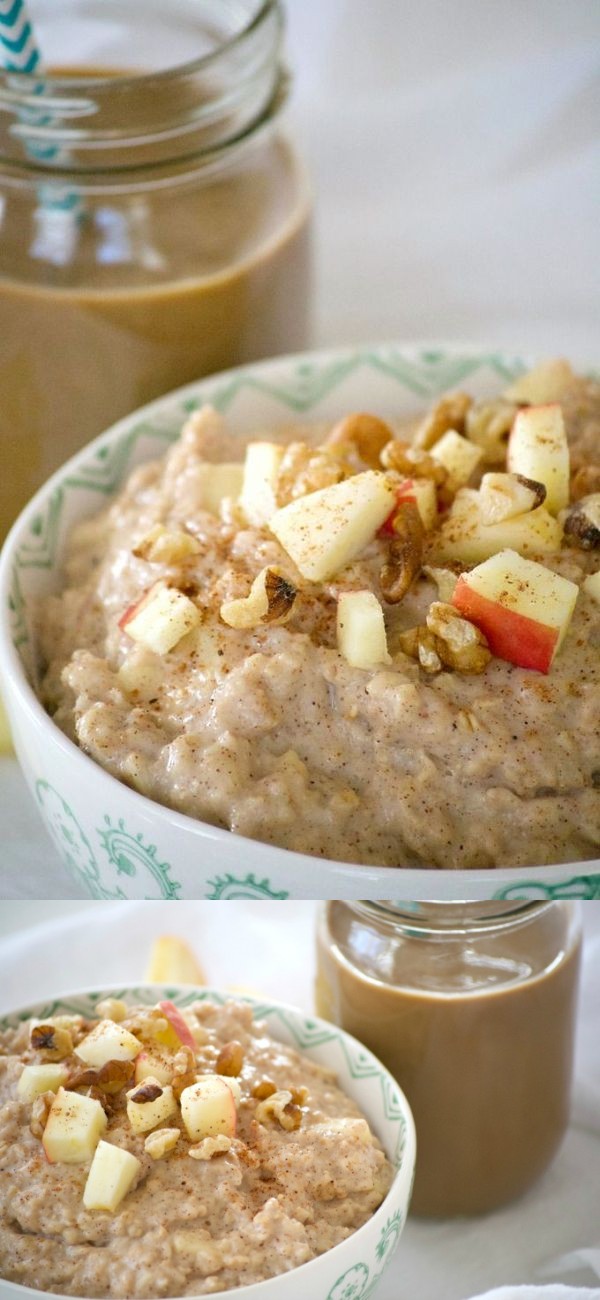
154,217
472,1008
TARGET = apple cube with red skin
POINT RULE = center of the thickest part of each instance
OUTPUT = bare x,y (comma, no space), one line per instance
538,449
178,1024
160,619
151,1063
422,492
208,1108
523,608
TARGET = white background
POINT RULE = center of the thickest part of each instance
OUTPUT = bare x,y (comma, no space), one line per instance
269,949
455,152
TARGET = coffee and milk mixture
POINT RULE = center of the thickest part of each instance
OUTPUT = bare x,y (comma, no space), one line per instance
256,721
207,1199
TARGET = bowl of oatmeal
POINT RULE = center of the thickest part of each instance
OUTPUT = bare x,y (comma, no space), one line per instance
315,628
161,1142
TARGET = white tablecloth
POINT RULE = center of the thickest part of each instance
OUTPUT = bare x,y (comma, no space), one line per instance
550,1236
456,160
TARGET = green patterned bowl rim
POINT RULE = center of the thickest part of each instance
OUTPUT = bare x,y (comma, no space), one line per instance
297,383
309,1034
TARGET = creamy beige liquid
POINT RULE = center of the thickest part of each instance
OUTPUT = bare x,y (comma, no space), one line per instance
161,288
487,1073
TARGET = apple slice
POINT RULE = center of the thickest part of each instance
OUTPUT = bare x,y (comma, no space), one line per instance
152,1064
208,1108
591,585
361,635
73,1129
523,608
172,961
36,1079
108,1041
422,492
178,1024
160,619
538,449
112,1173
323,531
464,539
215,482
545,383
458,456
149,1104
501,496
261,469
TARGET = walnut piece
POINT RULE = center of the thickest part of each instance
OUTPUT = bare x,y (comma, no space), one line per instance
411,462
109,1078
446,641
270,600
230,1059
365,434
585,480
161,1141
582,523
405,553
166,546
209,1147
305,469
111,1009
488,425
40,1110
449,413
51,1042
280,1108
264,1088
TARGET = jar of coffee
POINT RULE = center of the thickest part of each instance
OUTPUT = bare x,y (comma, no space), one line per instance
154,217
472,1008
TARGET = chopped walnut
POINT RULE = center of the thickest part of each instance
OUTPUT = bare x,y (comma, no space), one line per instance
51,1042
164,546
582,523
445,580
230,1059
182,1081
270,600
488,425
447,641
411,462
159,1143
40,1110
405,553
280,1108
585,480
209,1147
366,434
148,1091
449,413
264,1088
305,469
109,1078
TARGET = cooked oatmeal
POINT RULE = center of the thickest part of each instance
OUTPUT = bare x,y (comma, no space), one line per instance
199,651
290,1170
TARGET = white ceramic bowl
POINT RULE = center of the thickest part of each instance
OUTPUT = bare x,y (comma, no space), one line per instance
122,845
354,1267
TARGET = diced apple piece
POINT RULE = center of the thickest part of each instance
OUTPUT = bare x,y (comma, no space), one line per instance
73,1129
232,1083
154,1065
501,496
179,1024
545,383
523,608
538,448
149,1104
361,635
323,531
36,1079
464,539
422,492
261,468
160,619
141,673
108,1042
112,1173
166,546
208,1108
591,585
458,456
215,482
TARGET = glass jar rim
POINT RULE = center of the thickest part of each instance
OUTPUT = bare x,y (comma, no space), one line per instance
449,919
54,124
